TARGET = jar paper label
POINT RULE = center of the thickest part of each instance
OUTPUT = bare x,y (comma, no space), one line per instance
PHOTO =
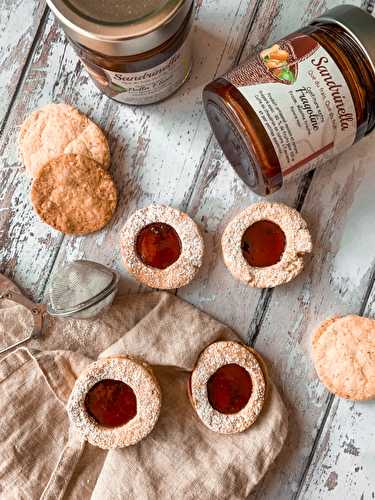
302,100
154,84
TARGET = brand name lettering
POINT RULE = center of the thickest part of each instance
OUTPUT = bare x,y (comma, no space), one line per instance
345,118
145,75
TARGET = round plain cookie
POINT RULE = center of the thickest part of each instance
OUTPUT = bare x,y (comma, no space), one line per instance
73,194
55,129
344,356
297,244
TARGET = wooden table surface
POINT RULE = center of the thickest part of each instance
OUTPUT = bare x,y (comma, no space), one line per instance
166,153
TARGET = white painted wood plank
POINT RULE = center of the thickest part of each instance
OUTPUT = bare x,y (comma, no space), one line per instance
344,465
27,247
19,21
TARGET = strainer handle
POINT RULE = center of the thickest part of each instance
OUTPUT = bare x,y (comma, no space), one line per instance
38,311
16,344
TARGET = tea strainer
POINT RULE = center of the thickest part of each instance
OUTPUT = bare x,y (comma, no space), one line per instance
81,290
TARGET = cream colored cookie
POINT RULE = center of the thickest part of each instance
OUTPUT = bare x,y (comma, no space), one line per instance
184,267
55,129
73,194
297,243
344,356
140,378
218,355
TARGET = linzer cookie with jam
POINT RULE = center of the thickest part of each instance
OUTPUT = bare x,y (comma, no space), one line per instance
264,245
115,402
58,129
162,247
228,387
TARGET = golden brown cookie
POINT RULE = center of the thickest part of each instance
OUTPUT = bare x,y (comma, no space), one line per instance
55,129
73,194
344,356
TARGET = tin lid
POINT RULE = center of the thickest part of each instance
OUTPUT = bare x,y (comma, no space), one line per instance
120,28
358,23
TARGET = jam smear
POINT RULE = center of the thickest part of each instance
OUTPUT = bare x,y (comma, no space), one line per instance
111,403
263,244
158,245
229,389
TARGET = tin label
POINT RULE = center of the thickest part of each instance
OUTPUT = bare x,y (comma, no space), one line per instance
155,84
302,100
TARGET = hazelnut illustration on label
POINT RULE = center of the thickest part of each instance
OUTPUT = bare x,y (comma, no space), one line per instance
302,99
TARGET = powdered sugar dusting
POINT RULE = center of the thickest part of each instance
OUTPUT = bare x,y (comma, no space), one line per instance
133,372
181,272
298,243
211,359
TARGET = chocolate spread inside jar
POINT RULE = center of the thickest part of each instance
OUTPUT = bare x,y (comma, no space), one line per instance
135,52
299,102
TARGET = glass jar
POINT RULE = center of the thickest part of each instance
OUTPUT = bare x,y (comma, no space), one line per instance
136,52
295,105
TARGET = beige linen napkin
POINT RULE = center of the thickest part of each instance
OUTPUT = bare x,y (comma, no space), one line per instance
181,459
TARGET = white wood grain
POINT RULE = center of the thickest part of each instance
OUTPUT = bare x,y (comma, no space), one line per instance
165,153
19,21
344,465
27,246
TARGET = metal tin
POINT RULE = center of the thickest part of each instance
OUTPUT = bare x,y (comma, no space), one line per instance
357,23
148,28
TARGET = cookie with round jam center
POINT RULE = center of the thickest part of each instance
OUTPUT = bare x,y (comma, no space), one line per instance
263,244
158,245
229,389
111,403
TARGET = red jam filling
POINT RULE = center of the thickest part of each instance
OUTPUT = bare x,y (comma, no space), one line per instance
158,245
229,389
111,403
263,244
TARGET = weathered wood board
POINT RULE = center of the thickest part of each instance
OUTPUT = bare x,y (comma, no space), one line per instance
166,153
19,24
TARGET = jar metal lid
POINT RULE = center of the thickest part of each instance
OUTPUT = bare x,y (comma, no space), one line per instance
358,23
128,28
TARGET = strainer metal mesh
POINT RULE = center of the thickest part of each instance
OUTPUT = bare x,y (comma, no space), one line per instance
79,286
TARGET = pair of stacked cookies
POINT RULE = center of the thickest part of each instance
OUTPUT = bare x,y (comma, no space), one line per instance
68,157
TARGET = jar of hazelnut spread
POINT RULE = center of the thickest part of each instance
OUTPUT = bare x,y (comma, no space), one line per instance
137,52
298,103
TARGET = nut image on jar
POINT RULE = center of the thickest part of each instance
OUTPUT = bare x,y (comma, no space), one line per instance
277,61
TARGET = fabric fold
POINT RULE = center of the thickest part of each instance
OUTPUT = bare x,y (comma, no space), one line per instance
181,459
